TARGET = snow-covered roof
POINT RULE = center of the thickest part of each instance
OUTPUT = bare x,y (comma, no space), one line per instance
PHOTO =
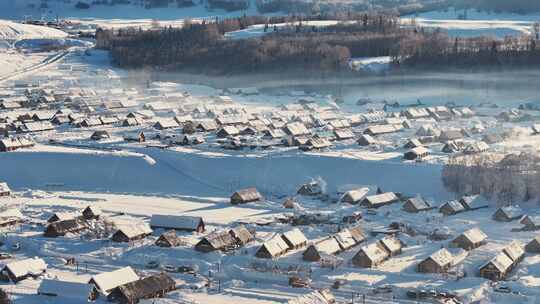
11,213
391,243
328,246
248,194
107,281
95,210
475,235
134,229
4,188
296,129
374,252
27,266
501,261
382,198
295,237
442,257
62,216
76,291
382,129
345,239
418,203
454,205
353,196
276,246
514,250
181,222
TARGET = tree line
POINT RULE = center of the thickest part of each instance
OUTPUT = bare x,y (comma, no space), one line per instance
297,45
508,179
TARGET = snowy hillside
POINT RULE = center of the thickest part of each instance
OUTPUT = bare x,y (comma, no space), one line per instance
16,31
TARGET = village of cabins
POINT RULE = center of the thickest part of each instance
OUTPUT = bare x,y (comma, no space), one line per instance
48,111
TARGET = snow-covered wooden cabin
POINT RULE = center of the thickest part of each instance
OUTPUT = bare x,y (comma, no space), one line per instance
177,222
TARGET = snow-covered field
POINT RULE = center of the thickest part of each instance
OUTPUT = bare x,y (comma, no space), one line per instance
66,171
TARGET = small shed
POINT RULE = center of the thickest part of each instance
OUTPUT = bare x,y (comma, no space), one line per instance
100,134
438,262
392,245
514,251
416,204
497,268
166,123
219,240
473,202
355,196
294,238
132,232
315,252
345,239
4,190
242,235
534,245
413,143
507,214
310,189
470,239
227,131
379,200
357,233
366,140
10,217
530,222
370,255
416,153
451,208
272,248
246,196
168,239
61,216
91,212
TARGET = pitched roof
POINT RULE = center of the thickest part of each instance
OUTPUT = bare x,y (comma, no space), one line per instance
146,287
475,235
514,250
442,257
26,266
382,198
219,239
374,252
345,239
276,246
328,246
248,194
183,222
65,289
418,203
296,129
11,213
501,261
354,196
357,233
295,237
134,229
391,243
454,205
106,281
